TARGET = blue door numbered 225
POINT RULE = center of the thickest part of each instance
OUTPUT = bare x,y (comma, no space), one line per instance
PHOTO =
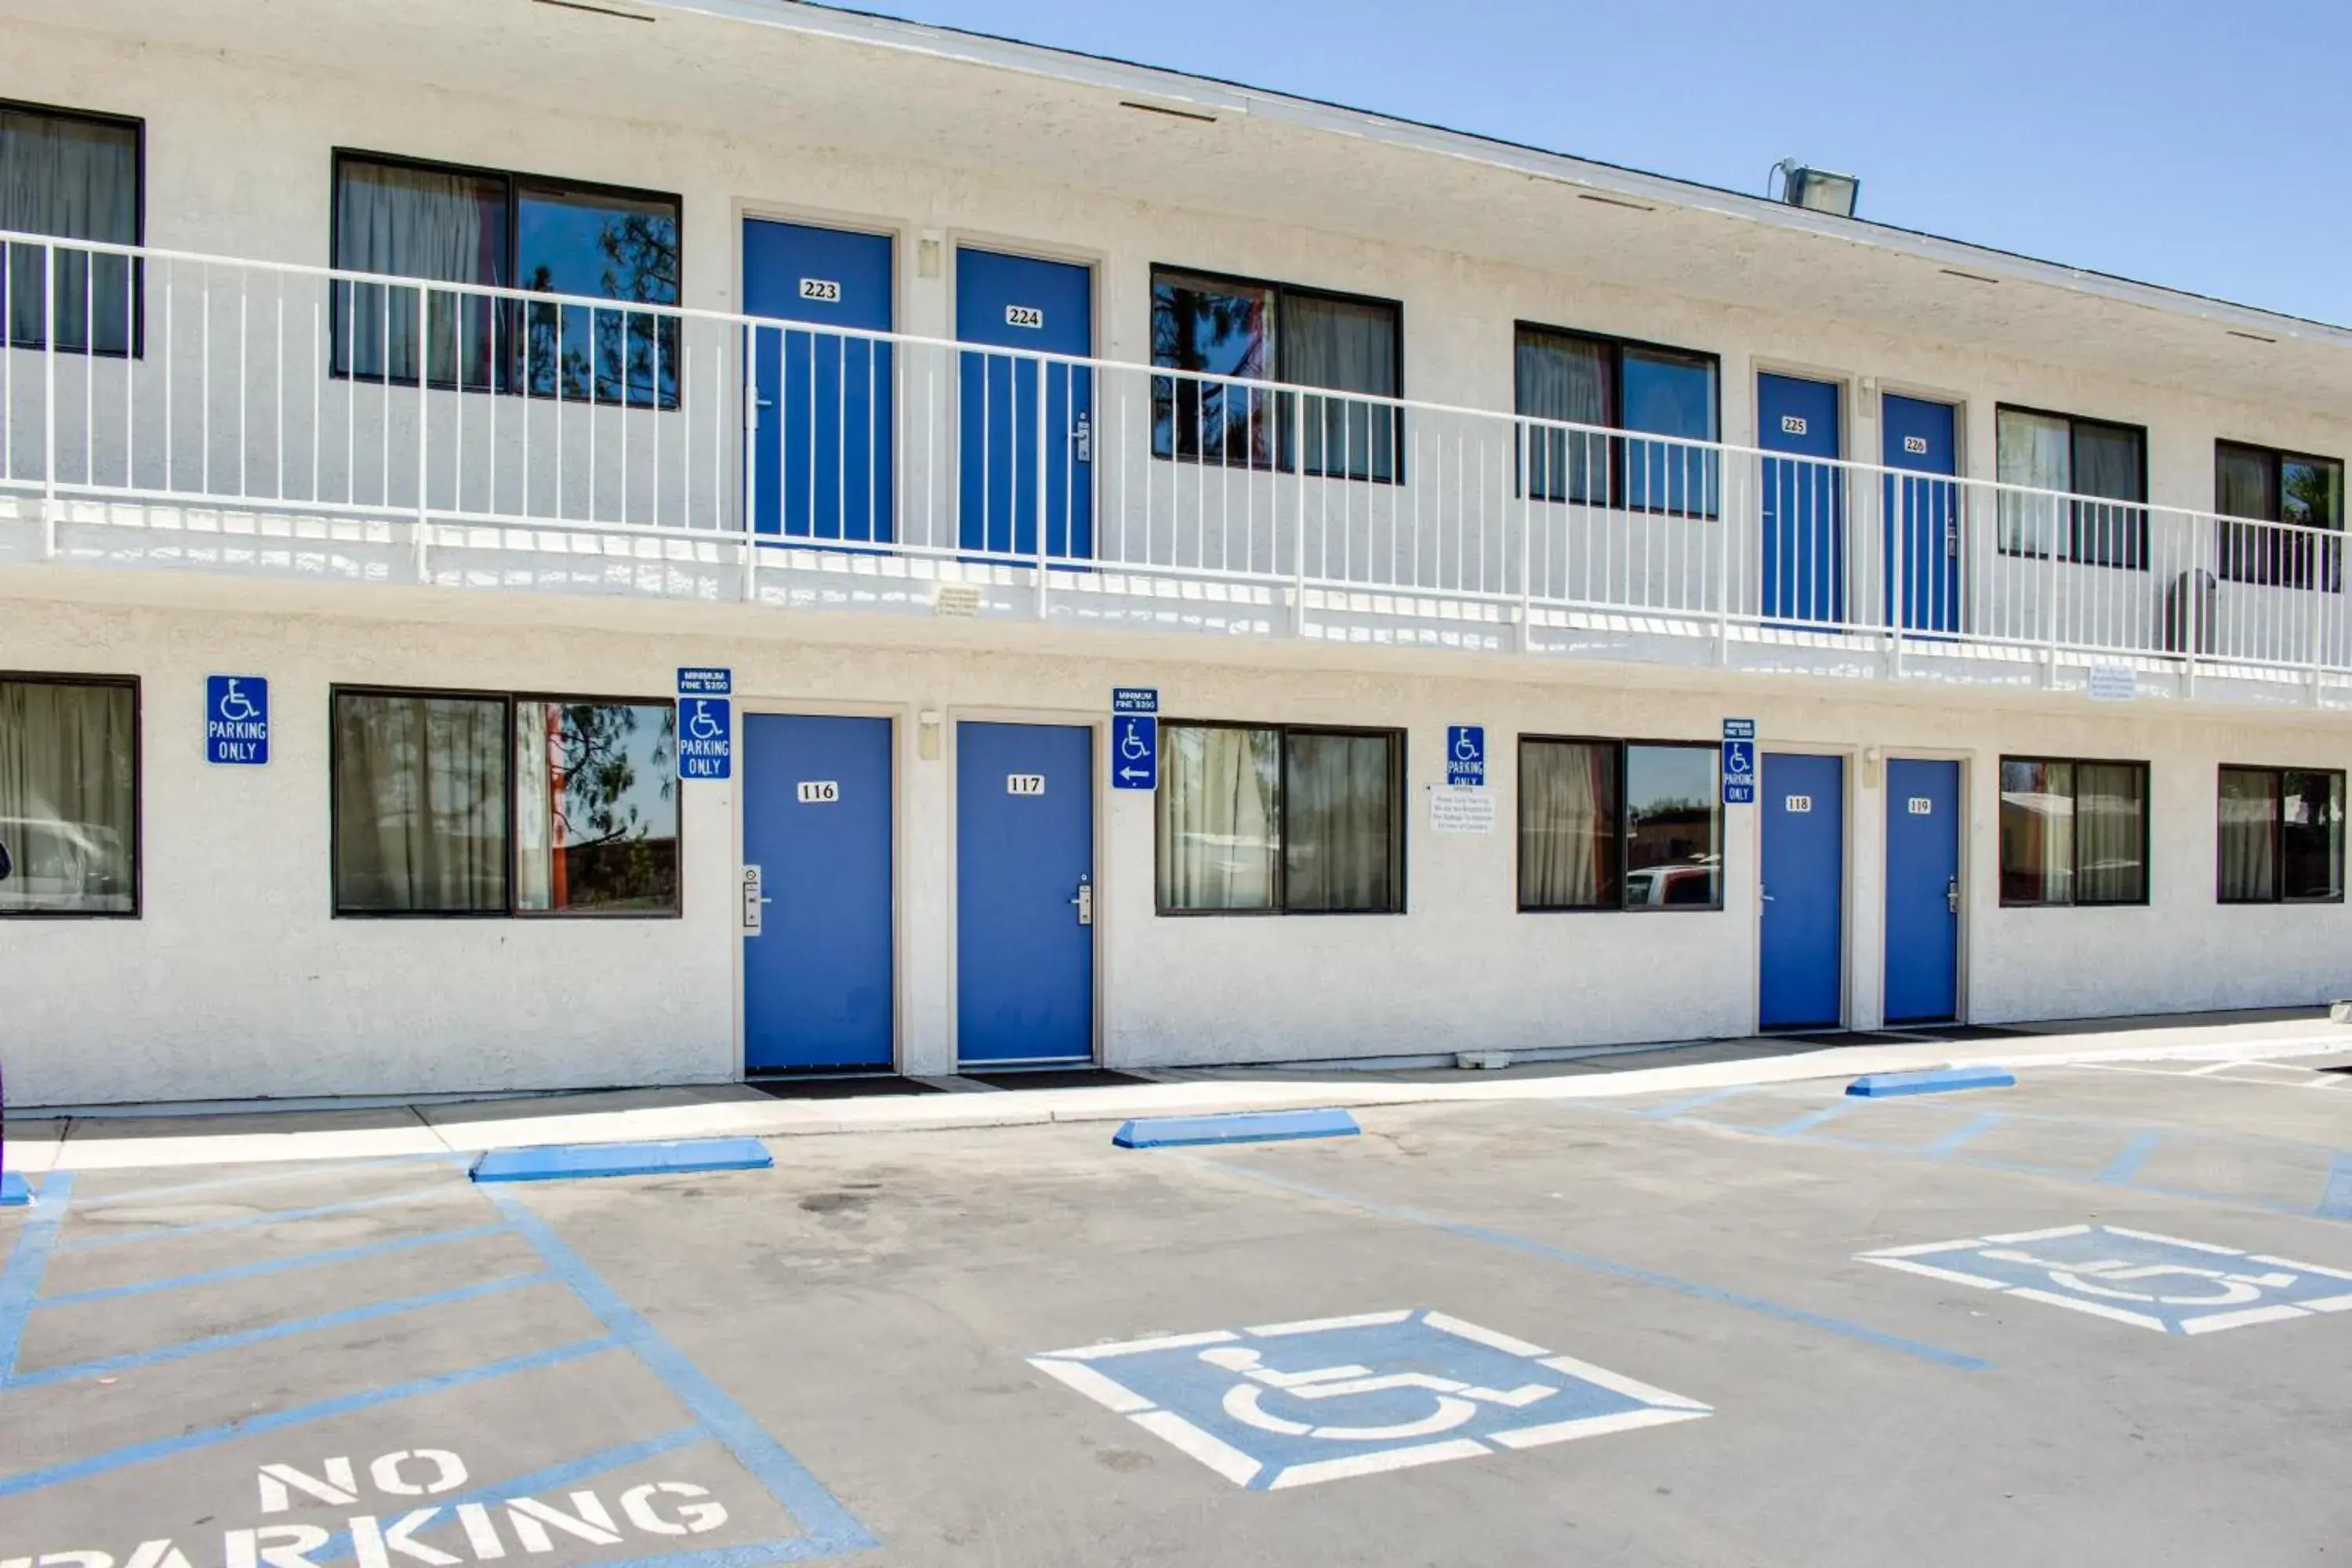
1923,514
1024,894
1801,946
1024,426
821,445
1923,890
1803,553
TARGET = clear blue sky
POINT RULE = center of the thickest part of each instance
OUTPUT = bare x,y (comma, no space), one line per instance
2204,145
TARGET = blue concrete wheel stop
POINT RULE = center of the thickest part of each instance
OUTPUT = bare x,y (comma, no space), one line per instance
14,1191
1940,1081
573,1161
1249,1127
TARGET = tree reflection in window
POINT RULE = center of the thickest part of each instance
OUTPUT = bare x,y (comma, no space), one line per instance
597,806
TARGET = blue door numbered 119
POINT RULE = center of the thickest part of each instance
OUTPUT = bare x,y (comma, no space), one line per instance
1024,894
821,440
1801,946
1025,446
1803,556
1923,890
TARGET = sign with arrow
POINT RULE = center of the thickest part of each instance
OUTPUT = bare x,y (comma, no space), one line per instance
1134,751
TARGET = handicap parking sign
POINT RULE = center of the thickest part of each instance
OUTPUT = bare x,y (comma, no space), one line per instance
2135,1277
705,737
237,720
1738,773
1466,754
1288,1404
1134,752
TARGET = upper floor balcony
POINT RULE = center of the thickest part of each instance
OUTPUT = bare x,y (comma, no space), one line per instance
162,409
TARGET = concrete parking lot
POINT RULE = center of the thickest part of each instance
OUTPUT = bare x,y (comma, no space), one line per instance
2096,1318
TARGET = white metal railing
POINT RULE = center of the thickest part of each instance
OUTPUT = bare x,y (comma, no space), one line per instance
164,378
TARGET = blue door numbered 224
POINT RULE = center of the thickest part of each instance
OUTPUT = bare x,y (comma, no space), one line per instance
1923,890
1803,553
1923,514
1024,893
1801,946
1015,473
817,971
821,449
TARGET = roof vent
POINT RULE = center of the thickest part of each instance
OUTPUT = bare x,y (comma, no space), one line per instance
1816,190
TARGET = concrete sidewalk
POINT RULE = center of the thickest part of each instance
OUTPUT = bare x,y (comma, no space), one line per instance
246,1135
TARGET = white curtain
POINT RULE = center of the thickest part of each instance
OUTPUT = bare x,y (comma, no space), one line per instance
2109,806
1568,379
2249,818
420,804
416,223
77,179
2035,450
1220,823
1348,345
1568,824
67,805
1338,813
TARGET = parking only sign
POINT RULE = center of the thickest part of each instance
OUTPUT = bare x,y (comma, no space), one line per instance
1134,752
1739,762
237,720
705,737
1466,754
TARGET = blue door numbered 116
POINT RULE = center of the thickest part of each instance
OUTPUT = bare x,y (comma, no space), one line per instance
1024,426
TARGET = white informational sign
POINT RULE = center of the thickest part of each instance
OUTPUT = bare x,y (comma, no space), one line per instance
2114,685
1460,808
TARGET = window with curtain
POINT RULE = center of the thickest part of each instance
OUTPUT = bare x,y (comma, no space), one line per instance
1576,378
74,177
2303,495
1280,820
489,229
1611,825
2072,832
2100,472
480,804
2280,835
1248,331
68,796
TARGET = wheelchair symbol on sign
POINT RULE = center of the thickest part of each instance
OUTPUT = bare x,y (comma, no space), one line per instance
702,726
236,708
1739,761
1453,1402
1131,744
1466,748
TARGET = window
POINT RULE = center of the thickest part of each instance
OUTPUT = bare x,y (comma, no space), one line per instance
470,804
1614,824
2072,832
69,795
2281,836
2263,486
1259,331
74,177
1272,820
1578,379
492,230
2080,457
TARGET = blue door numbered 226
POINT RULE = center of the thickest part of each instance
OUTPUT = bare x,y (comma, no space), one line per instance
820,449
1923,514
1024,893
1803,553
1801,946
1923,890
1015,473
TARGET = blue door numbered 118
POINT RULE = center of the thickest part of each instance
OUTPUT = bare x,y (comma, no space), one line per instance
1801,946
821,438
1923,890
1803,553
1024,894
1024,429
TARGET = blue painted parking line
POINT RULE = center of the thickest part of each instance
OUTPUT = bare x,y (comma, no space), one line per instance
563,1162
1939,1080
2124,1167
274,1265
28,1262
1248,1127
1813,1117
1678,1107
1968,1132
2335,1202
246,1222
1802,1316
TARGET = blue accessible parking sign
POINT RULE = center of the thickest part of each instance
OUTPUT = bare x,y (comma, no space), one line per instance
705,737
237,720
1134,752
1466,754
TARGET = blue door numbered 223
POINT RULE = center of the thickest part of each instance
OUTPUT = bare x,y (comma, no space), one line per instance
817,969
821,449
1016,474
1024,893
1801,946
1803,554
1923,514
1923,890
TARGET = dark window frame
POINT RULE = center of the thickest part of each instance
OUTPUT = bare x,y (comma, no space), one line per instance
1621,746
1617,347
510,702
1286,419
137,126
2286,561
138,792
2075,901
1399,837
2278,831
2072,553
511,374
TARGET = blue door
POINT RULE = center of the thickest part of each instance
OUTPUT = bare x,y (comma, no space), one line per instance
1803,500
1017,473
817,975
1803,946
1923,890
820,462
1923,514
1024,893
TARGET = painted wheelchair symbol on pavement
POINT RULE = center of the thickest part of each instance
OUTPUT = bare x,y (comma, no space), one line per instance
2135,1277
1287,1404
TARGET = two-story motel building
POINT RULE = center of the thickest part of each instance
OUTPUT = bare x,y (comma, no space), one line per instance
408,395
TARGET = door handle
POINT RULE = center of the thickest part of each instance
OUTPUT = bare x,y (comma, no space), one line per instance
1084,435
1083,901
1952,895
754,899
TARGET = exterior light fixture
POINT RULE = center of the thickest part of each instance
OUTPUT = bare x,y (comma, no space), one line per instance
1816,190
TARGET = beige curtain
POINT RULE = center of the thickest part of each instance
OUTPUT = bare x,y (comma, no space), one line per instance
2249,815
68,797
1340,823
420,804
1220,824
2037,832
1568,824
2109,806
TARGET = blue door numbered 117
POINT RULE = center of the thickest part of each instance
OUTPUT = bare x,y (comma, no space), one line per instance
821,442
1024,894
1804,557
1801,946
1024,426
